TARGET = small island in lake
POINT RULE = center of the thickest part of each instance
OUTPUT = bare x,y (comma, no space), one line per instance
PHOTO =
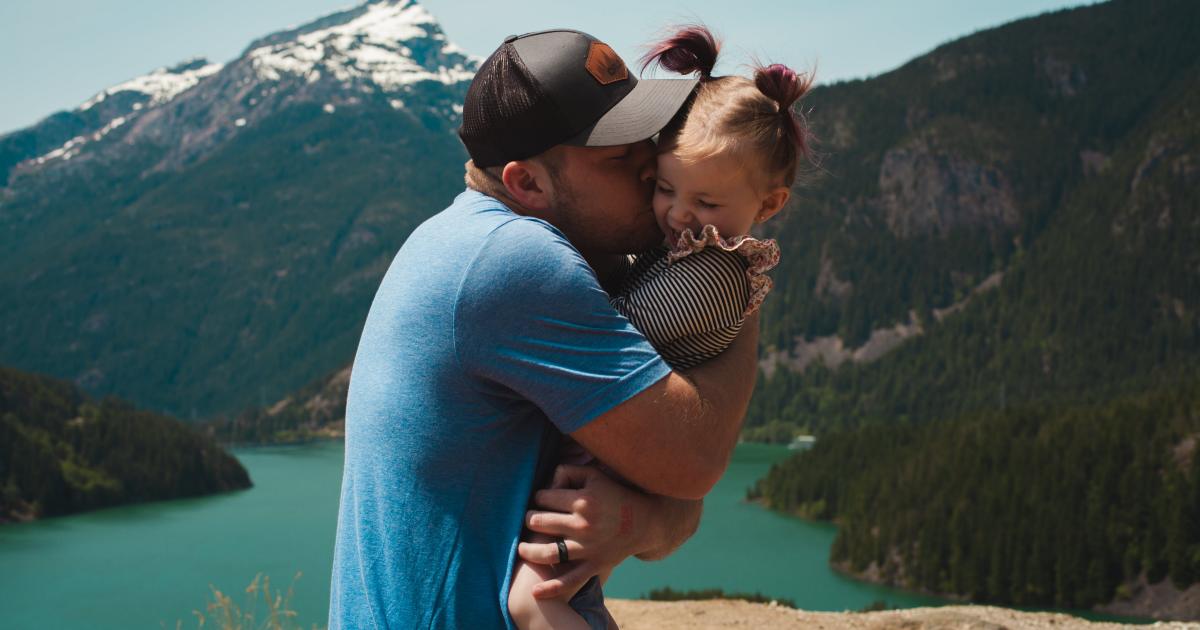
62,452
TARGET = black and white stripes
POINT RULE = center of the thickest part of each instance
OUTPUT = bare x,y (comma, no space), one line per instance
690,310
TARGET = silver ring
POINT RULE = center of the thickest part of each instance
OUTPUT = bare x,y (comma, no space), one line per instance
562,550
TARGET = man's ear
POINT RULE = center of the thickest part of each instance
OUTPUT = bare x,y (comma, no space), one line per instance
772,203
528,183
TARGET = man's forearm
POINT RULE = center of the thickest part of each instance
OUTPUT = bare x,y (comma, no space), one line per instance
724,385
728,378
675,521
675,438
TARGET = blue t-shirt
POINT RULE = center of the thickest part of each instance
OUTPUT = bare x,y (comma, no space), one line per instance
488,329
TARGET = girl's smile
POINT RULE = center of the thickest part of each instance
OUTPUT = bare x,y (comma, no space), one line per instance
718,191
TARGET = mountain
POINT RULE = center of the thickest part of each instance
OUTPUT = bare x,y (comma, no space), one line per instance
209,236
996,332
62,136
989,219
1011,218
63,452
315,411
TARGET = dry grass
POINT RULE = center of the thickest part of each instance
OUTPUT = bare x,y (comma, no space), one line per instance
274,606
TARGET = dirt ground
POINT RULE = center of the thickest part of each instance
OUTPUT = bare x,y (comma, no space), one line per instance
698,615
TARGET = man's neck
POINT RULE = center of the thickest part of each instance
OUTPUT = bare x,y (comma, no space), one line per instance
609,269
480,180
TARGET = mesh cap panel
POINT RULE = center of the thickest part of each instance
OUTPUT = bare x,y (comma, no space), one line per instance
506,116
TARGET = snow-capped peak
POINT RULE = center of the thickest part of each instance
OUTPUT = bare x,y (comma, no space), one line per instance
161,85
394,48
392,44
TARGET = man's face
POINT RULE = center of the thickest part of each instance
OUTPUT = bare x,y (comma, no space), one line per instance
603,198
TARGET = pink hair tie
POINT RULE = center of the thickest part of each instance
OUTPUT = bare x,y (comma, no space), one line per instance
781,84
690,49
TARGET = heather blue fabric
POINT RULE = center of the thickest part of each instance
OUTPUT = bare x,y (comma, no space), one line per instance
488,331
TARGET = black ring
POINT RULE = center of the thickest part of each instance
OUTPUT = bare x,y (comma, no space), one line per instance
562,550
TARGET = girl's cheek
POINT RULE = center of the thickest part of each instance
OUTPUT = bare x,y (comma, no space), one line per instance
661,204
726,227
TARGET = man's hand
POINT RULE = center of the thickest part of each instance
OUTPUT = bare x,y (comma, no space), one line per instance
602,523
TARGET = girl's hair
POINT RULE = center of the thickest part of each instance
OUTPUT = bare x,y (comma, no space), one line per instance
753,119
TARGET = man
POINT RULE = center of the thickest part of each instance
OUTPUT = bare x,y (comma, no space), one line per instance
491,333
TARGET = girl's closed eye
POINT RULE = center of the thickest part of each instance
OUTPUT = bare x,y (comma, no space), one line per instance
707,205
664,189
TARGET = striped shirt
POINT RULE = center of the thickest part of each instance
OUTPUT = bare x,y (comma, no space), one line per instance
690,309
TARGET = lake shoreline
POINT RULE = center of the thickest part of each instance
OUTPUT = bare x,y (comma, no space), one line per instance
27,516
1148,603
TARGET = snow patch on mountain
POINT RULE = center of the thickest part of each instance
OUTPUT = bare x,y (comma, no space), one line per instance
393,47
71,147
162,84
370,46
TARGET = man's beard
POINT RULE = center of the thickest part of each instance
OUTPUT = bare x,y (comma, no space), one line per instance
573,221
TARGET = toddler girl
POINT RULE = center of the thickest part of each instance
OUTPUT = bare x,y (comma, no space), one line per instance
725,163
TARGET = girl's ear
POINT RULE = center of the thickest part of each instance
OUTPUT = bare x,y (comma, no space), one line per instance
528,183
772,203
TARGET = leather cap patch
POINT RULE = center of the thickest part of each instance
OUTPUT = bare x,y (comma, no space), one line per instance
605,65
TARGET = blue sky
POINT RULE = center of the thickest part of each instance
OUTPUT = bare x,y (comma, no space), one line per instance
55,54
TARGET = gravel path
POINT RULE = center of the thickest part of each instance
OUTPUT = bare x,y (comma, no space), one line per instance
698,615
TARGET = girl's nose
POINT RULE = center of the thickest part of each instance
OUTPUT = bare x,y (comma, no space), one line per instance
680,214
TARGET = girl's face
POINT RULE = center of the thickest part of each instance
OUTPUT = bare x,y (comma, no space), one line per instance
718,191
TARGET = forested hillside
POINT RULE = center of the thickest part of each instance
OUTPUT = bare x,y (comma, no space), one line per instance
216,245
1027,434
63,452
1086,286
315,411
1034,505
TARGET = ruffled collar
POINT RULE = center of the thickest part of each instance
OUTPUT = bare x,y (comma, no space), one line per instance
760,255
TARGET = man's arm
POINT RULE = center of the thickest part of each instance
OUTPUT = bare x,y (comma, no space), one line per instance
602,523
541,326
676,436
671,523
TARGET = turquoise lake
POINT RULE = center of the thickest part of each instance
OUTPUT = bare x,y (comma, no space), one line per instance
149,566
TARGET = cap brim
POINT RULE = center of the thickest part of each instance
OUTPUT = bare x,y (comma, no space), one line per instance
642,113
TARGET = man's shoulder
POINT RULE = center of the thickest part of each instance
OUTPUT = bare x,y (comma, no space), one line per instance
476,225
515,244
491,220
523,260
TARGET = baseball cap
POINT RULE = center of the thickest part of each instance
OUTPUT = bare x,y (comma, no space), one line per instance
556,87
